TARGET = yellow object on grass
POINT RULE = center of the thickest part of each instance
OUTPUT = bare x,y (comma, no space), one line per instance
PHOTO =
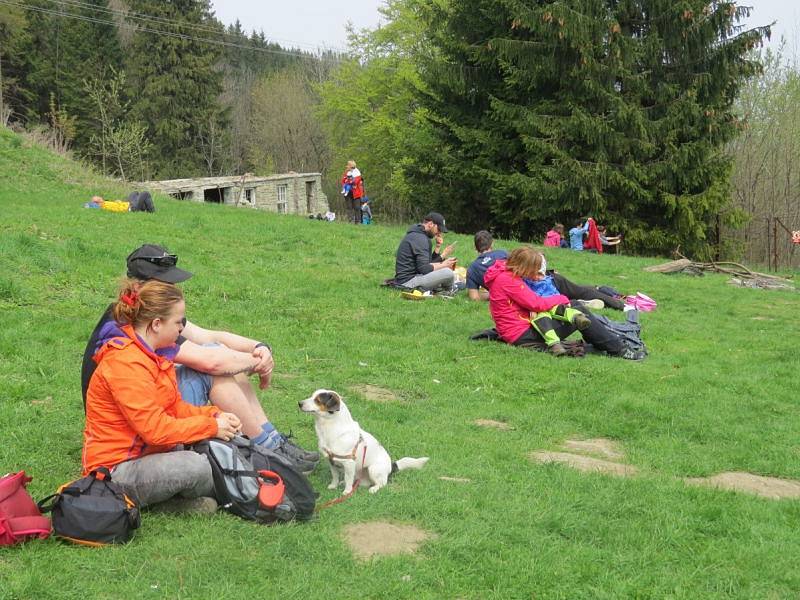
415,295
115,205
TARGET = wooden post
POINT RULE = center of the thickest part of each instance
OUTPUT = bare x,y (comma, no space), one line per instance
775,240
2,106
769,255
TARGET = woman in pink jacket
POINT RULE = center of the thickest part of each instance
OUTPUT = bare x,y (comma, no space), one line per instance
511,303
552,238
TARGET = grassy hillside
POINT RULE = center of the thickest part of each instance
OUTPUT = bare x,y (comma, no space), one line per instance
718,393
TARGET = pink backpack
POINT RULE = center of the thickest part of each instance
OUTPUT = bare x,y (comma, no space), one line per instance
20,518
641,302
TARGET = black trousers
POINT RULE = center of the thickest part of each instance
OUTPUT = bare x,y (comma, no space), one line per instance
354,208
141,201
573,291
597,334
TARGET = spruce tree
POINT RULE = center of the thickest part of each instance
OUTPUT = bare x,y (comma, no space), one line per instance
63,47
175,84
14,97
554,110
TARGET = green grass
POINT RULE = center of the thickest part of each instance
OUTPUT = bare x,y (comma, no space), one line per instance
718,393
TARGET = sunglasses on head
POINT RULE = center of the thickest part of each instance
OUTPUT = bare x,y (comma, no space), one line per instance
167,260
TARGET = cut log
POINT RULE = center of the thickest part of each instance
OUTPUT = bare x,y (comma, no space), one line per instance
670,267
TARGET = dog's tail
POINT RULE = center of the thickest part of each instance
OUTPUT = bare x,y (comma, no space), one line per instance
409,463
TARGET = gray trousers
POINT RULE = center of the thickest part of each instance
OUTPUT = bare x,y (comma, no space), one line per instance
442,279
158,477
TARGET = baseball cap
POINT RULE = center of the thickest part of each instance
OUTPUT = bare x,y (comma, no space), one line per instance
437,218
155,262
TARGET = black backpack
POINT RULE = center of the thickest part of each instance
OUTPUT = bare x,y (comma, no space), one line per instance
93,511
269,489
298,487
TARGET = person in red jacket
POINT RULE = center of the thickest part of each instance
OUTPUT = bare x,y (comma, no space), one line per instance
511,303
353,190
135,417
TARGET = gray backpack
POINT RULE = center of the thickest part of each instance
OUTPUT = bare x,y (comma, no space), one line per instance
255,483
630,330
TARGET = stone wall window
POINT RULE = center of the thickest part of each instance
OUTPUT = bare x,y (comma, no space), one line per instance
282,195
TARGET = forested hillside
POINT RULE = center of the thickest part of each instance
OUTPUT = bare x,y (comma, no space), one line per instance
659,119
143,88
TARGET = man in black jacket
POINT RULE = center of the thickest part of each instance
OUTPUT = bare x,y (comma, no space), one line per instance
418,264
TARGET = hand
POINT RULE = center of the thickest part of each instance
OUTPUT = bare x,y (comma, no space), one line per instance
450,263
264,380
228,425
449,250
264,367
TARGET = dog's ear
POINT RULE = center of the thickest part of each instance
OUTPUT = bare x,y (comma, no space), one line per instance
329,401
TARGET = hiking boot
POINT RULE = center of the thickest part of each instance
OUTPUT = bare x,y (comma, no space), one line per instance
292,454
581,322
307,455
557,349
594,304
631,354
204,505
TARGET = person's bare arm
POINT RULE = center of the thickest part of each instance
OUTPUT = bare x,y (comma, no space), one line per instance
199,335
215,360
438,248
448,263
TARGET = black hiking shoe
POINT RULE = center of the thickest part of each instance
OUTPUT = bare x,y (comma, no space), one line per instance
292,454
631,354
581,322
307,455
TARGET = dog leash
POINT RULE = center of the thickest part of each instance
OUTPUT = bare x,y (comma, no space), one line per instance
356,483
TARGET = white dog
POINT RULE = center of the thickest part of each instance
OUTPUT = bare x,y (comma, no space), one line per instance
348,447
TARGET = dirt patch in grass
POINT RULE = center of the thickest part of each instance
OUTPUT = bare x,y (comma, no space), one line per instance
380,538
766,487
375,393
599,446
585,464
455,479
496,424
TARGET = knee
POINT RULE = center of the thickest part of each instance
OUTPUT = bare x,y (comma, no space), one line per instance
195,466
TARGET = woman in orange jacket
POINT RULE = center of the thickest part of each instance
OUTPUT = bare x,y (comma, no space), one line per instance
134,413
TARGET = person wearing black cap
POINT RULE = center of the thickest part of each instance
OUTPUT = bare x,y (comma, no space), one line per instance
212,366
418,264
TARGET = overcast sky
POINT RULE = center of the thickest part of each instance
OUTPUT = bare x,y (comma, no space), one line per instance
311,24
305,24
